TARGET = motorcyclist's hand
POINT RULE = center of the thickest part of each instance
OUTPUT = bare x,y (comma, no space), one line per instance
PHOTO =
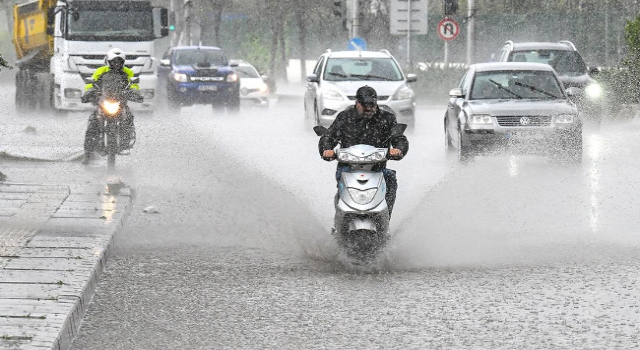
329,154
395,153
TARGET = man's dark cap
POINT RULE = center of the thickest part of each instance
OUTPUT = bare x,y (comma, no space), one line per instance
366,94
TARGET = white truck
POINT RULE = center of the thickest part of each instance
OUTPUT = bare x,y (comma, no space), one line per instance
61,42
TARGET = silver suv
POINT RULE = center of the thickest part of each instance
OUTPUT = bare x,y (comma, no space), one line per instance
337,75
568,64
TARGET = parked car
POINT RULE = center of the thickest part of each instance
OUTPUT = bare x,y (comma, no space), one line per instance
337,75
253,85
518,106
198,75
570,67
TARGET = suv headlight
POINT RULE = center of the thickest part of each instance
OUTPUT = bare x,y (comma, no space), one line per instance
564,119
332,95
362,197
232,78
180,77
480,119
594,90
404,94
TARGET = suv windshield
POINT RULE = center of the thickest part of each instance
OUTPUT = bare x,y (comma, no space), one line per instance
359,68
200,58
564,62
515,85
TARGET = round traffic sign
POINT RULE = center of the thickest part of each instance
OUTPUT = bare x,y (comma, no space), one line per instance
448,29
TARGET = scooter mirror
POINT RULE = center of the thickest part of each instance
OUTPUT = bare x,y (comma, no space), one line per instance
321,130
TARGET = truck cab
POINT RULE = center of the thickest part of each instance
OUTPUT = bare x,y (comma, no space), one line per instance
80,34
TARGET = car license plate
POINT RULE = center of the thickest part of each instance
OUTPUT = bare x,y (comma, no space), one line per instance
207,88
524,135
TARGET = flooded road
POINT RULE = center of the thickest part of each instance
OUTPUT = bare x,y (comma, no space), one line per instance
507,252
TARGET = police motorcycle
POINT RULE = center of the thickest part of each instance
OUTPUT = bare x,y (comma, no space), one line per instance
110,95
361,222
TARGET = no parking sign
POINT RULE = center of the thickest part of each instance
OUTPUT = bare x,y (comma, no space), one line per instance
448,29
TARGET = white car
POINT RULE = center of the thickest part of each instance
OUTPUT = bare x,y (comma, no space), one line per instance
338,75
253,88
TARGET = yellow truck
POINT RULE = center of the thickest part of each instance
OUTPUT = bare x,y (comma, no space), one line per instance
34,48
59,43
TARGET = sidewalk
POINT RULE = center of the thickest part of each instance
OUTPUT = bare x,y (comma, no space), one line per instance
54,242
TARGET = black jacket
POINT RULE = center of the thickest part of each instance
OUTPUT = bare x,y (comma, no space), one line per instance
350,129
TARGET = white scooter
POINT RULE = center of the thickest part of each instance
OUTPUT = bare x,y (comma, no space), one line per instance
361,224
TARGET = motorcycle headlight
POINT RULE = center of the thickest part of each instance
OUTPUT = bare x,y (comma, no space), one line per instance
480,119
362,197
332,95
110,107
594,91
404,94
564,119
233,77
180,77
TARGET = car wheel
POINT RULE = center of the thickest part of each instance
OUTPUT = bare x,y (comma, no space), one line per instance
449,150
465,153
572,148
316,115
173,104
233,105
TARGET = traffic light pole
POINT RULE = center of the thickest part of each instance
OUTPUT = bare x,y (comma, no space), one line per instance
353,18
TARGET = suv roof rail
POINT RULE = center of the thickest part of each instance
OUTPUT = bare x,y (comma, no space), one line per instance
567,42
386,51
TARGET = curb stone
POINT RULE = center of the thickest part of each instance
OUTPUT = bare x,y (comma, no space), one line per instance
54,244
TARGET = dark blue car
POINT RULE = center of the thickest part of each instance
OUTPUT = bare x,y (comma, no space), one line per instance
198,75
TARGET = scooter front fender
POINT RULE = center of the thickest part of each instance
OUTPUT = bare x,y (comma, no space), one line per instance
362,224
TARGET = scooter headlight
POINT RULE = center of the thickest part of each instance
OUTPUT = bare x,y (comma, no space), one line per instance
110,107
379,155
362,197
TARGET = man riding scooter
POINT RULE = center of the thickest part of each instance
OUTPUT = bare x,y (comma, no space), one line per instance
114,63
365,123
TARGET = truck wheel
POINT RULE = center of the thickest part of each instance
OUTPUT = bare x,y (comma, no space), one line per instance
21,88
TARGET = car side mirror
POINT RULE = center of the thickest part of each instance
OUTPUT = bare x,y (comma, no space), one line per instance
165,62
264,77
233,64
574,91
312,78
411,78
456,93
321,130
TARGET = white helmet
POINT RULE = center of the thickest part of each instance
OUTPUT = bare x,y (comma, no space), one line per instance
113,54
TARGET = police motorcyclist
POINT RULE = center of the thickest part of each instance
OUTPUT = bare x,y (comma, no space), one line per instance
114,62
365,123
